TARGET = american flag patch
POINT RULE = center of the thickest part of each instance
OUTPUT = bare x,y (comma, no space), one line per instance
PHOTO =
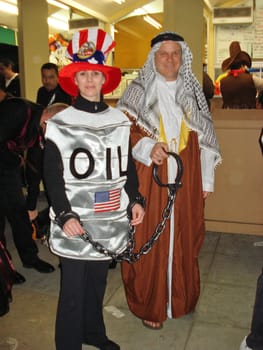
107,201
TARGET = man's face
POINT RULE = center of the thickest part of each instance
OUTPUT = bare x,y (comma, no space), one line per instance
168,59
5,71
49,79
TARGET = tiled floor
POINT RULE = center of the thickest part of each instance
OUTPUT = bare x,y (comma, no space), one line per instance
229,264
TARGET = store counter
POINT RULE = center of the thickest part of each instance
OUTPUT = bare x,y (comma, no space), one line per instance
236,206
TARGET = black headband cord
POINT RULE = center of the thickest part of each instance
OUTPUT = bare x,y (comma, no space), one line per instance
166,36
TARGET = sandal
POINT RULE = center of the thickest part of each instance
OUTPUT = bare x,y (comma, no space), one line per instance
152,325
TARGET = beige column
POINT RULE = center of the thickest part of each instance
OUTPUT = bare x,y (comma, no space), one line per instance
32,44
186,18
109,28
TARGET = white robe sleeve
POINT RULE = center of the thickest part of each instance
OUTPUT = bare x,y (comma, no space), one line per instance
208,170
142,150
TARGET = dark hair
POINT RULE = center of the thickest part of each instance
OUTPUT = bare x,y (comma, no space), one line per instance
238,63
7,62
2,82
50,65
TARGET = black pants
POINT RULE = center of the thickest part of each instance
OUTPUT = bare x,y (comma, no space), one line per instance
255,338
80,307
13,207
34,176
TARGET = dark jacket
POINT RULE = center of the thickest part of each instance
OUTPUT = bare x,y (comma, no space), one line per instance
14,87
45,97
19,128
238,91
208,88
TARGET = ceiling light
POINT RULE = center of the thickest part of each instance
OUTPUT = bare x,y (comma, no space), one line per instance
9,8
139,12
54,22
152,22
58,4
119,1
58,23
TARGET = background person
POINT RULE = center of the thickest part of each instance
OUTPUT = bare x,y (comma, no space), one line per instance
19,127
90,179
48,94
12,80
51,92
169,112
239,88
34,167
12,86
208,88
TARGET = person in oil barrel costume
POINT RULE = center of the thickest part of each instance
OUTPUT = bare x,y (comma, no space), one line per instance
91,181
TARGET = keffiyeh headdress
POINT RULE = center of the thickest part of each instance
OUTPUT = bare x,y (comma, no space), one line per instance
140,99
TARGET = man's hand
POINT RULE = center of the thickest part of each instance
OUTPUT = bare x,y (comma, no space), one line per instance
206,194
158,153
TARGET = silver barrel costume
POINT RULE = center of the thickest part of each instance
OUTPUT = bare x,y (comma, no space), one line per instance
95,157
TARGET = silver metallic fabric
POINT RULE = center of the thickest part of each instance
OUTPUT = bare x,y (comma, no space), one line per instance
94,150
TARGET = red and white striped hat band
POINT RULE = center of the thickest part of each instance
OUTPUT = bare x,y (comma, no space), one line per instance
88,50
87,42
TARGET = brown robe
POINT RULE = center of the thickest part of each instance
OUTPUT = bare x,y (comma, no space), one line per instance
146,282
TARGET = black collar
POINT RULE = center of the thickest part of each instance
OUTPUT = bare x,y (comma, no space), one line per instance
89,106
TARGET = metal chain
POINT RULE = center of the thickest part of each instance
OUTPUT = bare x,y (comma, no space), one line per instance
128,254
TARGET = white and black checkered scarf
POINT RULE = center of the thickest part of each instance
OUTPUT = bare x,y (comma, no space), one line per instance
140,100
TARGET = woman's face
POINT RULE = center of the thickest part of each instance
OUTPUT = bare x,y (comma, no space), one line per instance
90,83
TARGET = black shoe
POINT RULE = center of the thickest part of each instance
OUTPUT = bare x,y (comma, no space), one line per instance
40,266
107,345
4,308
19,279
4,303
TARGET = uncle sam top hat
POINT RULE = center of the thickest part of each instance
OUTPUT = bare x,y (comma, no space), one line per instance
88,50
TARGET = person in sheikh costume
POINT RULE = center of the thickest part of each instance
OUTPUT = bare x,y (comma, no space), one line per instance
169,112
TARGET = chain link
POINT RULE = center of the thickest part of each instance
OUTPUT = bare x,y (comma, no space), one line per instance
128,254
